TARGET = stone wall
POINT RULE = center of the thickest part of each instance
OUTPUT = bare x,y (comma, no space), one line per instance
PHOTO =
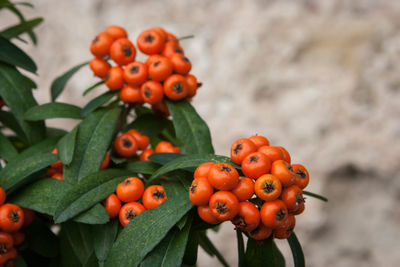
320,77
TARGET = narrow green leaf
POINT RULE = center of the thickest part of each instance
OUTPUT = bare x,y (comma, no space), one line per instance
9,121
148,124
240,246
41,196
176,248
7,150
190,128
92,87
192,247
53,110
79,238
264,253
164,158
103,238
55,132
92,142
95,215
189,162
12,8
97,102
42,240
144,167
16,171
45,146
88,192
314,195
148,229
206,244
156,256
16,30
11,54
297,251
16,90
59,83
66,146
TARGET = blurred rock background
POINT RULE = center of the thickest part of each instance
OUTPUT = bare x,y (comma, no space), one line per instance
320,77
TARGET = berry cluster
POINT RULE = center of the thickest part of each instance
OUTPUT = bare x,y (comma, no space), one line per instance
164,73
127,144
13,228
221,194
55,170
130,191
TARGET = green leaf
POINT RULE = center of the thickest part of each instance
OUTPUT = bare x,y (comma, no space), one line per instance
66,146
78,241
144,167
11,6
189,162
263,253
95,215
16,30
15,172
297,251
148,124
156,256
240,245
92,87
88,192
59,83
42,240
314,195
7,150
192,247
16,90
53,110
164,158
11,54
45,146
9,121
207,245
148,229
176,247
41,196
55,132
92,142
103,238
190,128
97,102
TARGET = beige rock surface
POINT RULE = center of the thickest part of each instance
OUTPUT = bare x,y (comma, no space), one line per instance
320,77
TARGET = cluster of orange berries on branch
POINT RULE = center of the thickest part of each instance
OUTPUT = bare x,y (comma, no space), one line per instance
14,221
127,144
131,191
55,170
264,201
164,74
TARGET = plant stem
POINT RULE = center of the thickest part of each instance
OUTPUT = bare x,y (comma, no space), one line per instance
240,246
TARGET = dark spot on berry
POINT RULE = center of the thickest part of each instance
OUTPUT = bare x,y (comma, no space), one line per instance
107,77
127,50
96,39
134,69
149,38
301,174
185,59
158,194
268,187
239,222
238,148
193,188
221,207
127,182
14,216
253,159
288,166
3,248
158,62
130,214
299,199
178,88
126,142
224,168
178,50
280,215
147,92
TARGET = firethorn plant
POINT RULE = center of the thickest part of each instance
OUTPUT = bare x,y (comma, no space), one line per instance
136,181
